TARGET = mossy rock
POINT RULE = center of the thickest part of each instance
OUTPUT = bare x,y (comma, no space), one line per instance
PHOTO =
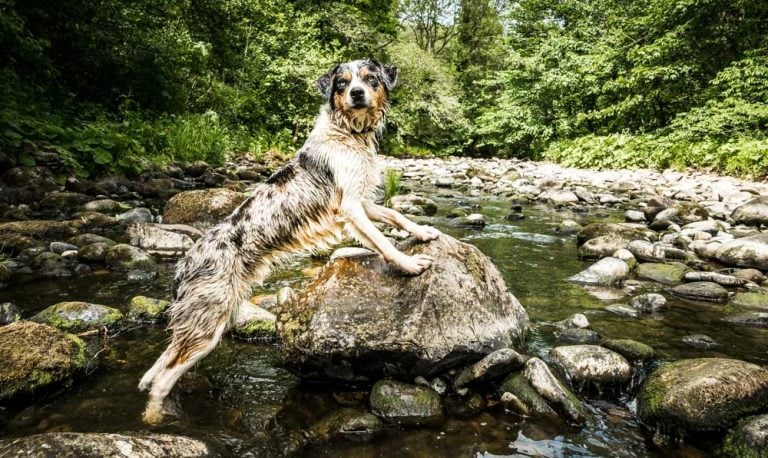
751,300
748,439
127,257
254,323
87,239
38,229
627,231
670,274
534,405
78,316
397,402
147,309
703,394
350,424
201,208
13,244
35,356
630,349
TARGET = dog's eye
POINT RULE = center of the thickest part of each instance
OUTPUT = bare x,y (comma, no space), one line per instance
341,84
370,79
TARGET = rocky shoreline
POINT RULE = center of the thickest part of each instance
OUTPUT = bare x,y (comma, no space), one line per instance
689,236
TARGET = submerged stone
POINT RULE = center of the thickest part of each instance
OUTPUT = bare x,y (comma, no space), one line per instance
36,356
630,349
702,394
143,308
664,273
349,424
578,336
527,401
397,402
748,439
701,291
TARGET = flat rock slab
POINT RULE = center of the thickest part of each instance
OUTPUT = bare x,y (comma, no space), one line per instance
396,402
701,291
104,445
360,319
703,394
666,274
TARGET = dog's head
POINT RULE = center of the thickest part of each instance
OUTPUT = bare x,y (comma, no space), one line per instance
358,93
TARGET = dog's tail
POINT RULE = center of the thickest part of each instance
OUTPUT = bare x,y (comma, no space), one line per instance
211,282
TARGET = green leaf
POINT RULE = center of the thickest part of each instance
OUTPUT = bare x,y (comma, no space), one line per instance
101,156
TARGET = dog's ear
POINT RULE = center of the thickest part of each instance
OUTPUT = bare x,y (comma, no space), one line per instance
324,83
390,76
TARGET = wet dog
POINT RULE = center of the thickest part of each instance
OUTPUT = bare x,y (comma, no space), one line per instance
324,193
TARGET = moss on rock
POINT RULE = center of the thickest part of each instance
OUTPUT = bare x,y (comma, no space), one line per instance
78,316
35,356
143,308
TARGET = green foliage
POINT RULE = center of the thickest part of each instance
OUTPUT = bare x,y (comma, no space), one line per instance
391,185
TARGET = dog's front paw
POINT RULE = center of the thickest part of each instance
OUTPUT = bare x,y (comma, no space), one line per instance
153,414
426,233
415,264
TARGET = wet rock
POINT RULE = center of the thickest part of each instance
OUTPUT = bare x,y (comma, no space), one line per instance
623,310
603,246
147,309
13,244
522,398
360,318
350,252
646,251
253,322
472,220
664,273
127,257
630,349
569,227
78,316
61,247
720,279
105,445
649,303
605,272
413,205
750,275
444,181
701,341
749,251
656,205
9,313
38,230
577,320
554,391
36,356
201,208
752,213
92,221
626,256
626,231
196,168
63,201
140,214
591,364
753,319
349,424
51,265
397,402
87,239
495,364
95,252
702,394
748,439
140,275
580,336
701,291
107,206
156,239
559,197
757,300
467,406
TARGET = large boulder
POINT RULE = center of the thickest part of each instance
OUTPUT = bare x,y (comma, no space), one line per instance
104,445
754,212
201,208
703,394
360,319
749,251
36,356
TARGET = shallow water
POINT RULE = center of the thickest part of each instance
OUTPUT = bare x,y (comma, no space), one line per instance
241,400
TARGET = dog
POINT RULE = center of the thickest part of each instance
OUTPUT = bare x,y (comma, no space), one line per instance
324,192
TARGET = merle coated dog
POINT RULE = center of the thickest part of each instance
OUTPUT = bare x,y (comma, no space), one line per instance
324,192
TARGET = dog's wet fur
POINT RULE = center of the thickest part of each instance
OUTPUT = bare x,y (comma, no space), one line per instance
323,193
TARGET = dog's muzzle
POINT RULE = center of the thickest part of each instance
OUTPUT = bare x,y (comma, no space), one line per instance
357,95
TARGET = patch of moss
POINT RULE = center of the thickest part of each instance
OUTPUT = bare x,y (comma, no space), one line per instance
630,349
37,356
143,308
78,316
253,329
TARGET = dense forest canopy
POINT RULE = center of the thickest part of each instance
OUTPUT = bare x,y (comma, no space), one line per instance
122,85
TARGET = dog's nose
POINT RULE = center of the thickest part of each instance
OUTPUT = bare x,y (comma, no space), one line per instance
357,93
